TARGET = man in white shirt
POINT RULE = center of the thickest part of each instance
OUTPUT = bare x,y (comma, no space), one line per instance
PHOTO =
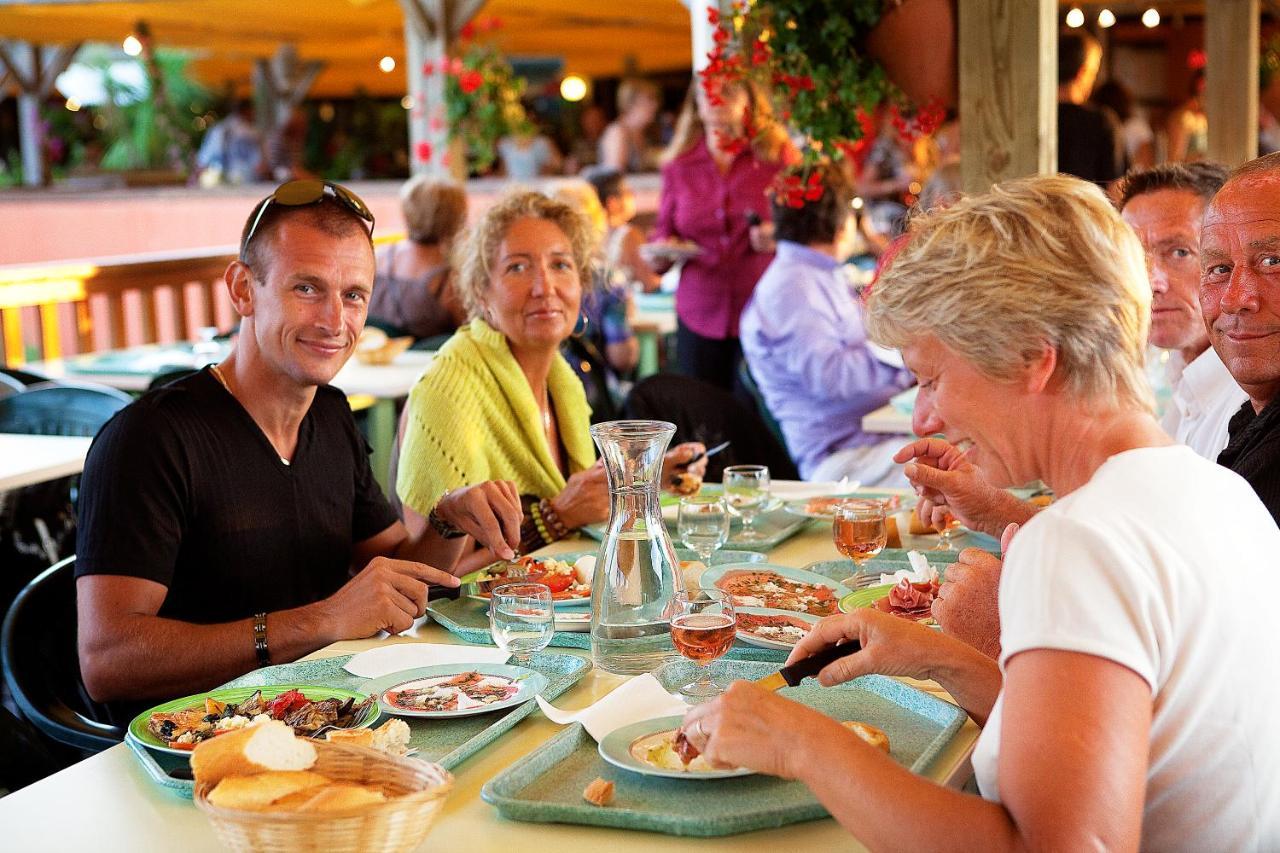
1164,207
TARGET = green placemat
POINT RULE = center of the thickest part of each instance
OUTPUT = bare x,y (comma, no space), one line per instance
468,618
447,742
546,785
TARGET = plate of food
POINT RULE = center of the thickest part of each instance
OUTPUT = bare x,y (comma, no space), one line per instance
773,629
456,690
178,726
777,588
648,748
568,576
670,250
823,507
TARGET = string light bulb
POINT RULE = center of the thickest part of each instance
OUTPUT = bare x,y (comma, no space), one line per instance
1151,18
131,46
387,64
1075,18
1106,18
573,88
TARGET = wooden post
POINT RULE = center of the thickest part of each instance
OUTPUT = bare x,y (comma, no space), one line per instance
430,28
1008,57
36,69
1231,80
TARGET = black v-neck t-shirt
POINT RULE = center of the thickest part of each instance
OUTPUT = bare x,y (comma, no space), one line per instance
183,488
1254,451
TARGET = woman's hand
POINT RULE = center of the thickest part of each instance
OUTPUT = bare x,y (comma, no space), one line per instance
758,729
891,645
681,454
947,483
585,499
488,511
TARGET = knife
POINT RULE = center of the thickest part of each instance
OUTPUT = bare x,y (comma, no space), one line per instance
706,454
790,676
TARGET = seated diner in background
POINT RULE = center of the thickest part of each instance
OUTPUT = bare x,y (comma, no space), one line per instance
230,520
623,262
499,401
803,338
414,292
1127,675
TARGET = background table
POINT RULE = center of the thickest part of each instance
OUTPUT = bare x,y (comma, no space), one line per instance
894,416
654,318
107,803
28,459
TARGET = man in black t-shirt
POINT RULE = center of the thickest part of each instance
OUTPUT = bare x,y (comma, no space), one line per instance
1240,298
1088,138
231,519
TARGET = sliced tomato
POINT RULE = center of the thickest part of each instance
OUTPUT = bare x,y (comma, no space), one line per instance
188,746
557,583
286,703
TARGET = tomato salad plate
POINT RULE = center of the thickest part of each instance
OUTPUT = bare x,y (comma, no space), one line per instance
178,726
568,576
773,629
777,588
823,507
648,748
456,690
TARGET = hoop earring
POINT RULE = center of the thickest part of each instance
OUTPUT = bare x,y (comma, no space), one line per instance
581,326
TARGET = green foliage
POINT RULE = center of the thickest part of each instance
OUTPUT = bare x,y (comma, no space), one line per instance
482,102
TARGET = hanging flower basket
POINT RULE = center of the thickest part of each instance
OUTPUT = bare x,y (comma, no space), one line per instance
828,65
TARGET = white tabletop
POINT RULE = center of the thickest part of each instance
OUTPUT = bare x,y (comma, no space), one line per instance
887,419
28,459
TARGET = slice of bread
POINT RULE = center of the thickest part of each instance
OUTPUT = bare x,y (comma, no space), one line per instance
340,796
260,790
269,745
868,733
392,737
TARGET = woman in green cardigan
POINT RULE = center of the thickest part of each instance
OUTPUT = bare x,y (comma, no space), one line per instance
499,402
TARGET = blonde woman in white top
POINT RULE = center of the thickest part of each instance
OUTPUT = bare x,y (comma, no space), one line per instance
1133,702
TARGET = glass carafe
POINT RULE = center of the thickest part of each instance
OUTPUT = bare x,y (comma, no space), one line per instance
637,574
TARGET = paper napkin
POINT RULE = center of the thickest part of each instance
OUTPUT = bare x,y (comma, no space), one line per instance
641,698
384,660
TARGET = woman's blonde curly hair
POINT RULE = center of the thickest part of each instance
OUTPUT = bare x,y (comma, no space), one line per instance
1035,261
481,247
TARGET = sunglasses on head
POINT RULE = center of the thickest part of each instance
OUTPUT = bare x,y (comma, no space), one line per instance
302,193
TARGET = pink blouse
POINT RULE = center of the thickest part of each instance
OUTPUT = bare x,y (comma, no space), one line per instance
700,204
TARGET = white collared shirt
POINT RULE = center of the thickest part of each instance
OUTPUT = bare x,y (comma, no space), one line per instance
1204,398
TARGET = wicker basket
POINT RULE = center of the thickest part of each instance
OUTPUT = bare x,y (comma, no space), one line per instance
417,790
387,353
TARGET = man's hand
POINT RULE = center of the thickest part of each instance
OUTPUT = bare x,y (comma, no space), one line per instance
947,483
489,511
387,595
681,454
762,239
585,499
967,606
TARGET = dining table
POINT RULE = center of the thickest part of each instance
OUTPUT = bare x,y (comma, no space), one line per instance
108,803
374,387
29,459
893,417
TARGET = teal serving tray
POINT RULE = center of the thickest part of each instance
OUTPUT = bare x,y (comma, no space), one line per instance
468,619
446,742
546,785
774,527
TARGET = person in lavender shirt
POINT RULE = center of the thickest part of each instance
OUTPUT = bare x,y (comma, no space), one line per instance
714,194
804,341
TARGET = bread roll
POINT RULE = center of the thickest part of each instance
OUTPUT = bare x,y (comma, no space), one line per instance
868,733
340,796
351,737
269,745
260,790
392,737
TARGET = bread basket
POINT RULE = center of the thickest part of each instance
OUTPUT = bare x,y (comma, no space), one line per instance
384,354
416,790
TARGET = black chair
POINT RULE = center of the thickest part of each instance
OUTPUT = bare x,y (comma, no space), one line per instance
23,377
709,414
60,409
42,663
748,383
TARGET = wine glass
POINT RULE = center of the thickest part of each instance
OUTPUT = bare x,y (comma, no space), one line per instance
859,530
703,524
522,619
949,525
746,490
702,628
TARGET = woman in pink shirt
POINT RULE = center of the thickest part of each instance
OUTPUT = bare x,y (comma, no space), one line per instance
711,195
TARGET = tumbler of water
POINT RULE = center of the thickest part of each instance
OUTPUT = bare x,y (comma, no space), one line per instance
704,524
522,619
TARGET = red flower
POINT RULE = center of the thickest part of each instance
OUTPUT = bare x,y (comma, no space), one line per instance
469,81
468,31
437,122
493,24
713,16
455,66
423,152
428,68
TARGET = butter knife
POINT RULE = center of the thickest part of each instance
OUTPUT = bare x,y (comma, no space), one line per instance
790,676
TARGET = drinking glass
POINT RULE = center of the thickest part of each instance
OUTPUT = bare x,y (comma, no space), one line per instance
704,524
746,490
859,530
703,625
522,619
944,534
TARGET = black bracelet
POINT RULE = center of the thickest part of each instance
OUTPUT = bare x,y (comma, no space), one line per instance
260,639
444,528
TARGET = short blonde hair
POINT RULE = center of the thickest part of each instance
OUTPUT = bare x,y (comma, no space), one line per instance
1040,260
582,197
434,210
477,255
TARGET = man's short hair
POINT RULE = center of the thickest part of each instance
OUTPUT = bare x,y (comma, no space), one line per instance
606,181
1201,177
1073,48
820,220
328,215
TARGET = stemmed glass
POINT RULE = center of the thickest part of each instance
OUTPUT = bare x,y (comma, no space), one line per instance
746,490
949,525
703,625
859,530
522,618
703,524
